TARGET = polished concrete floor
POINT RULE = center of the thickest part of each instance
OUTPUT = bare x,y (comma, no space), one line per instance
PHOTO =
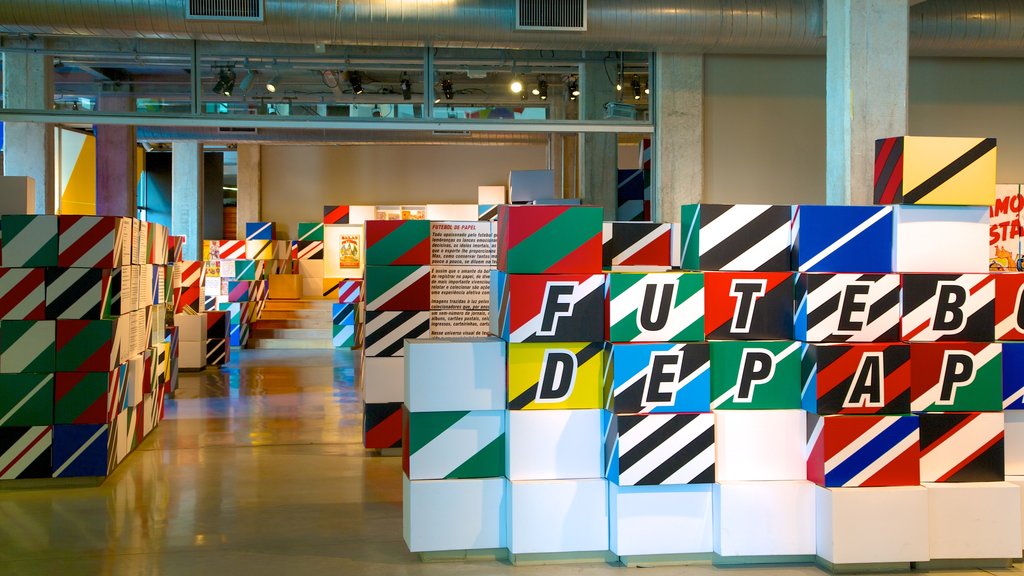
257,469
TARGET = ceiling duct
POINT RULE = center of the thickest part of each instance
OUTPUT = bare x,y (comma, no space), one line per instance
225,10
937,27
337,137
551,15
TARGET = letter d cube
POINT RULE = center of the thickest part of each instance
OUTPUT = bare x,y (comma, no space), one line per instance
555,376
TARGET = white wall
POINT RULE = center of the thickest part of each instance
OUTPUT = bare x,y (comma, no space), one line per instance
298,180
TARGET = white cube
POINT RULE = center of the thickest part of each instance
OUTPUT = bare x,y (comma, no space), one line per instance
558,516
191,327
649,520
464,374
850,529
1013,442
974,520
443,515
383,380
312,269
760,445
764,518
191,355
554,444
942,239
1019,482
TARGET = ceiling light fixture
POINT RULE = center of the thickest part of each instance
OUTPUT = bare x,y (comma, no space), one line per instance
272,83
447,88
406,85
517,85
647,88
572,85
225,82
542,87
635,84
355,81
246,82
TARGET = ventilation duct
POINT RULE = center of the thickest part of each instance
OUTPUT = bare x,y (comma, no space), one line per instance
336,137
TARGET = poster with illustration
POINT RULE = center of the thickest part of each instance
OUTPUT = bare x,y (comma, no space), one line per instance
1005,241
343,251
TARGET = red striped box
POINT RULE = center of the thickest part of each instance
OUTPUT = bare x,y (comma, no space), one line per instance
22,294
232,249
336,214
25,452
350,291
91,241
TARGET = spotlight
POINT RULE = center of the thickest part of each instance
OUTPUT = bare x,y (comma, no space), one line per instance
635,84
542,88
246,82
647,88
406,87
355,80
225,82
437,95
517,85
376,111
524,95
446,87
573,86
272,83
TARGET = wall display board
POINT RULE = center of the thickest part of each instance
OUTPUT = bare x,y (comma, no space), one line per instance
343,251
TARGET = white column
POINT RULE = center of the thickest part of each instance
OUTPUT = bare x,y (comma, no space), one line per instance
187,196
866,88
678,155
599,153
28,146
249,190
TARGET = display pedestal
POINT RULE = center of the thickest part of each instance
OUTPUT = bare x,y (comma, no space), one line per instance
974,521
851,531
454,515
1019,482
660,520
764,522
1013,442
760,445
562,517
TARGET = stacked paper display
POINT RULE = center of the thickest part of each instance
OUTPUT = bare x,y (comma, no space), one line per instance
84,358
806,367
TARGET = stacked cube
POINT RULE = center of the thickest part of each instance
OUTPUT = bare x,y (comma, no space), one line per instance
308,252
192,337
548,304
397,299
454,489
343,324
83,360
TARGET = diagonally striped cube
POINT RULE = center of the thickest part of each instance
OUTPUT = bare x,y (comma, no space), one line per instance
848,307
856,378
29,241
452,445
1009,306
948,307
1013,384
550,307
25,452
216,351
78,293
26,399
259,249
658,307
962,447
657,378
382,425
343,314
386,331
27,346
343,336
643,246
336,214
847,451
755,375
555,376
349,291
80,450
397,242
259,231
748,305
232,249
930,170
843,239
741,238
312,250
90,345
85,397
397,288
549,239
91,241
309,231
22,294
657,449
956,377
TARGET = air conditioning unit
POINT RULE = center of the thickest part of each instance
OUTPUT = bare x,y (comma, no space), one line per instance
619,111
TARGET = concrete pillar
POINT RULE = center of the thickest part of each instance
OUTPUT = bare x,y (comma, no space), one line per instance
28,146
116,189
598,152
678,155
866,89
249,187
213,195
187,196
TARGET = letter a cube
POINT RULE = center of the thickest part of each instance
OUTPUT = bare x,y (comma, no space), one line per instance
856,378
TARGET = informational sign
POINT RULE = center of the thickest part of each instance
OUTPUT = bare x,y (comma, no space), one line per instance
1005,241
343,249
463,244
459,323
459,288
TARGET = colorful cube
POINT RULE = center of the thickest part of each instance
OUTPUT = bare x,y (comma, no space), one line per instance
657,378
26,399
657,449
849,451
962,447
80,450
232,249
762,375
956,377
555,376
397,288
453,445
397,242
387,331
933,170
307,250
641,246
533,453
856,378
549,239
259,249
23,294
336,215
748,305
29,241
741,238
311,231
382,425
549,308
848,308
349,291
86,397
259,231
92,241
941,239
432,386
27,346
1013,384
948,307
1009,306
343,336
659,307
343,314
843,239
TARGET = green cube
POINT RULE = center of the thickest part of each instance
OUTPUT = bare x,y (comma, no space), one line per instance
755,375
